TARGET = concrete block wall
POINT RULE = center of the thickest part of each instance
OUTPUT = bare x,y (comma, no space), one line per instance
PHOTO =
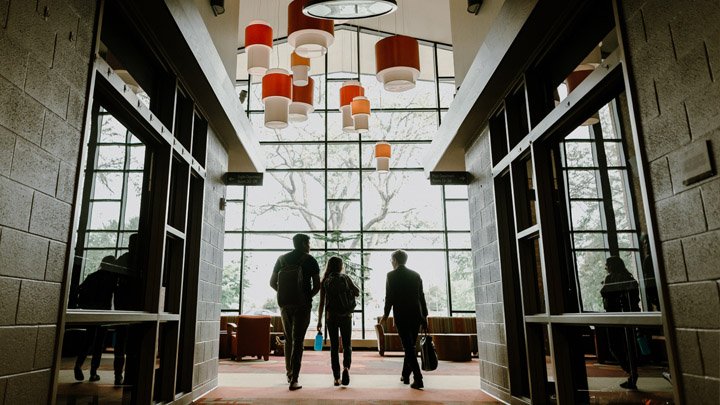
492,344
207,330
45,48
674,57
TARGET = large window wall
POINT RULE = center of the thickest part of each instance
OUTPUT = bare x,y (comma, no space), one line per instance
323,182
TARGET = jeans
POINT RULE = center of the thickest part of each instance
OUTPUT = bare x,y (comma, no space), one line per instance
295,320
408,337
342,324
94,343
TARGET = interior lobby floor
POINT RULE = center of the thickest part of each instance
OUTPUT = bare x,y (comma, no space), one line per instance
374,380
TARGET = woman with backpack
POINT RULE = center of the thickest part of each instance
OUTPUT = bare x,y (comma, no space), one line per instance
337,298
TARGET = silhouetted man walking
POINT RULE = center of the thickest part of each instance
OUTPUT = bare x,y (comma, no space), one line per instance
404,295
296,278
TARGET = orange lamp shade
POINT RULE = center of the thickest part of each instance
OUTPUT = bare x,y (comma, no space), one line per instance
297,60
575,78
360,106
304,94
258,33
349,90
310,37
397,50
276,84
382,150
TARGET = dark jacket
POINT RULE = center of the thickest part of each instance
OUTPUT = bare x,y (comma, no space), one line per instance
96,292
404,295
311,272
620,293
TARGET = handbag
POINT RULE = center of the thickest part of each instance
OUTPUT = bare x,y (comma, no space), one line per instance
427,353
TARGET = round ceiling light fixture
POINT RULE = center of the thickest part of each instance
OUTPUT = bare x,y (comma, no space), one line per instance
348,9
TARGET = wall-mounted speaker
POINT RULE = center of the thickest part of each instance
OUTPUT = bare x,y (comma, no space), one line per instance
474,6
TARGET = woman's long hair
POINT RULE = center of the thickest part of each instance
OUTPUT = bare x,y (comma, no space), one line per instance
334,266
616,265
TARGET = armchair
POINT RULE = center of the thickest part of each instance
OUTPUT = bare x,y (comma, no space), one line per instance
387,336
250,337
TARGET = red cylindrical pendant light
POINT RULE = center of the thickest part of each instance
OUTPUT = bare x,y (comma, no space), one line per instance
276,95
349,90
300,68
302,101
310,37
258,45
382,157
360,110
397,62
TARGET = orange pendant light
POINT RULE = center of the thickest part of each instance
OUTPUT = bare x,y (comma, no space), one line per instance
360,110
300,68
302,101
276,95
581,72
258,45
382,157
397,62
349,90
309,37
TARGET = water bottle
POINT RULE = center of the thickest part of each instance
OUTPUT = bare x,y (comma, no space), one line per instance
318,342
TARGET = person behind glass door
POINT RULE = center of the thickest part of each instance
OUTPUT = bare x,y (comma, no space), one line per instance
296,278
95,292
127,298
404,295
620,293
334,287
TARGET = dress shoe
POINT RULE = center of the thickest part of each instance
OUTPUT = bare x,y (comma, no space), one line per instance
629,384
345,377
79,374
405,380
294,386
417,384
94,377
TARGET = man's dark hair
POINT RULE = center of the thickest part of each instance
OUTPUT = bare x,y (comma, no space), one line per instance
400,256
300,240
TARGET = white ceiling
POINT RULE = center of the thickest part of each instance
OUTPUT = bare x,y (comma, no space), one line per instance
423,19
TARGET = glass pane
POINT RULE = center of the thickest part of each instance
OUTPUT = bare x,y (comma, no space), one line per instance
411,125
404,155
343,155
579,154
621,199
456,192
343,216
295,156
394,241
589,240
111,157
422,96
342,56
386,206
287,201
234,241
343,185
586,215
270,241
104,215
590,267
111,130
458,215
257,298
582,183
234,216
108,186
613,154
230,298
137,157
447,93
461,281
459,241
311,130
133,201
101,240
445,62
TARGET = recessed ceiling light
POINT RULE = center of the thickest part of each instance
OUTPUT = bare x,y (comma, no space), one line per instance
348,9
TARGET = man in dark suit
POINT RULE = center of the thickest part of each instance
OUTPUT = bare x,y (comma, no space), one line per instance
404,295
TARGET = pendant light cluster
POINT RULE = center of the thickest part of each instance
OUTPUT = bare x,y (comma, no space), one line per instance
288,96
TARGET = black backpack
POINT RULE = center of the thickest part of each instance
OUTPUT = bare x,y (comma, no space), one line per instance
339,297
291,285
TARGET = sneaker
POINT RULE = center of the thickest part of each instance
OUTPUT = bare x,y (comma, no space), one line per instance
94,377
345,377
336,382
295,386
417,384
79,374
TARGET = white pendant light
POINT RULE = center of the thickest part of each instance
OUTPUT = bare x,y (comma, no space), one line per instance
309,37
258,46
349,90
300,69
360,109
302,101
382,157
276,95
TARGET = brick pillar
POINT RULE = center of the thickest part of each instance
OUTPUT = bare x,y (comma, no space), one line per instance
674,60
45,49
